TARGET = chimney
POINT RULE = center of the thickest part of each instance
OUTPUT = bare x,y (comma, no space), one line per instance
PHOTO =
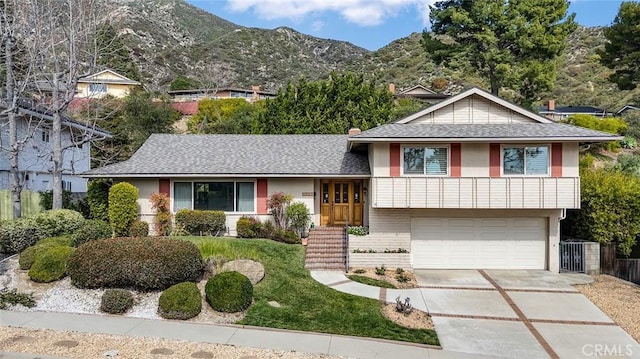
255,96
392,88
551,105
354,131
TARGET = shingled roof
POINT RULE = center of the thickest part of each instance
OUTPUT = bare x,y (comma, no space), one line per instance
517,132
240,155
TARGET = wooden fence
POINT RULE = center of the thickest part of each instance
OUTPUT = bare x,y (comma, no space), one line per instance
627,269
30,204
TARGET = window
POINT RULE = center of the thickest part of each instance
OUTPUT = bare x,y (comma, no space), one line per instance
216,196
525,160
429,160
46,134
66,186
97,88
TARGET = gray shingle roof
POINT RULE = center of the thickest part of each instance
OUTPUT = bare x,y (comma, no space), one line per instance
477,131
313,155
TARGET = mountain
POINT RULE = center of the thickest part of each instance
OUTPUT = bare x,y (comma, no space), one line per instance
168,38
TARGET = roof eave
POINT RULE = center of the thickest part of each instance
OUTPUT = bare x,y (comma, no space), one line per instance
486,139
221,175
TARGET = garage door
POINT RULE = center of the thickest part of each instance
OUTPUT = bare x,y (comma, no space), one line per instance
478,243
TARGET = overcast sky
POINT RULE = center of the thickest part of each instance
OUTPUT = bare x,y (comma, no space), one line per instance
371,24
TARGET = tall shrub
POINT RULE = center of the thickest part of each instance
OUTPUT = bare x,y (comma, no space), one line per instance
162,220
610,209
123,207
298,216
98,198
277,205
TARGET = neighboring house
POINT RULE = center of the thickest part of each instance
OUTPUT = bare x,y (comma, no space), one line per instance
627,108
420,93
557,113
471,182
103,83
195,95
34,160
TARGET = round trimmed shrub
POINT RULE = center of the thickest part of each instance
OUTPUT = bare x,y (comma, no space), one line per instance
181,301
123,207
51,264
229,292
17,235
30,254
139,229
116,301
57,222
91,229
140,263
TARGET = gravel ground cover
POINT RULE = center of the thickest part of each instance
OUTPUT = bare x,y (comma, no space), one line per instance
82,345
618,299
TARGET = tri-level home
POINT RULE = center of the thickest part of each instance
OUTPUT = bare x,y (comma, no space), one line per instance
471,182
103,83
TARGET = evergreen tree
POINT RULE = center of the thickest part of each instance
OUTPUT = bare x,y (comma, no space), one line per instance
512,43
334,105
622,51
113,53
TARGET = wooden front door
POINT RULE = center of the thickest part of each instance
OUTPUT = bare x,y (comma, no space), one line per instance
342,202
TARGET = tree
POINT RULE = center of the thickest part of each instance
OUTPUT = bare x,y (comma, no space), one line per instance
622,50
212,113
183,83
609,211
111,52
513,44
334,105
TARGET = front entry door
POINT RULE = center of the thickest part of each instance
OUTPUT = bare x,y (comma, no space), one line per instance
342,202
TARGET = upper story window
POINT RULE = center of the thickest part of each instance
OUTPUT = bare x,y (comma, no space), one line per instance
98,88
426,160
45,134
525,160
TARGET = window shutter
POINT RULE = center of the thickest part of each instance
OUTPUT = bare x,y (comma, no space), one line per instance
394,160
556,159
164,186
494,160
456,160
261,205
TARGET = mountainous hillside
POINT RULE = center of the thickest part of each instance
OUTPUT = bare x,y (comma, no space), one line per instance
168,38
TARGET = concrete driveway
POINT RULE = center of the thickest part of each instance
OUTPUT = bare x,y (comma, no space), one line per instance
518,314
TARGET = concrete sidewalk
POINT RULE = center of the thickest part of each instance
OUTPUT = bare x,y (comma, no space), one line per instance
337,345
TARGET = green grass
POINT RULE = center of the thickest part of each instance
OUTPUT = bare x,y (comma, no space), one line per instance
371,281
306,304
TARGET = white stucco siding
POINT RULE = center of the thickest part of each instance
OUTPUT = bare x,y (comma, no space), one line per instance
474,160
570,159
473,109
302,189
145,188
379,159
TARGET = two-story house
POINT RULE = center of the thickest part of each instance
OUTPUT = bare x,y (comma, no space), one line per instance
103,83
471,182
35,142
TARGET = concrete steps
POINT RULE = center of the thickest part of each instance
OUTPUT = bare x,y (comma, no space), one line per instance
325,249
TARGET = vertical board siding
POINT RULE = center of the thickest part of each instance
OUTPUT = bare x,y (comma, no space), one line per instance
494,160
556,159
476,192
262,195
394,160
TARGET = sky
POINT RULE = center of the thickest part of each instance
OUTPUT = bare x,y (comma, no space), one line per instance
370,24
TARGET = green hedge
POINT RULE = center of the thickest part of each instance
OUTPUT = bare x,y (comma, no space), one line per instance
198,222
51,264
91,230
30,254
140,263
123,207
229,292
181,301
139,229
58,222
19,234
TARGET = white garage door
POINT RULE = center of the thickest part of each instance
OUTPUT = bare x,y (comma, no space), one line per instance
478,243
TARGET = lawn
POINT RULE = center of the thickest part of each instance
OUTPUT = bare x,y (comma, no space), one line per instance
305,304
